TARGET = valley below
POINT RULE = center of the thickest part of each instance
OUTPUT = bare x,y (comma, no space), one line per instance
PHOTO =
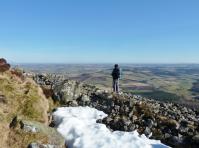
177,83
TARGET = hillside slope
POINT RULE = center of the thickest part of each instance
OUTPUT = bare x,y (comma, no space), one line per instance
23,112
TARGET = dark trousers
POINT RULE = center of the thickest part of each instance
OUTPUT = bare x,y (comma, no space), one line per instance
116,85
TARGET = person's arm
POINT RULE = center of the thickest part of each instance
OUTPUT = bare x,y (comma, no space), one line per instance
112,74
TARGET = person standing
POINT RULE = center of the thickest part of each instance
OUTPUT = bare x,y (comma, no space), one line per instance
116,75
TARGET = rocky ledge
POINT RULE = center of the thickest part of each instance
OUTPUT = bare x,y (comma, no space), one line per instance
173,124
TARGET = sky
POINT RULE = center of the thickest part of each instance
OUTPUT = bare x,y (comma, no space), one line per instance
99,31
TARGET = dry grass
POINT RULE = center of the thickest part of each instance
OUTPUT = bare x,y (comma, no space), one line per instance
3,134
143,108
165,121
20,139
26,100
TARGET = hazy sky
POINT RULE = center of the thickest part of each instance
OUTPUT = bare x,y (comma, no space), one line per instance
100,31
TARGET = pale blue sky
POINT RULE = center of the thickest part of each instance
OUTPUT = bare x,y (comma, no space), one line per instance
99,31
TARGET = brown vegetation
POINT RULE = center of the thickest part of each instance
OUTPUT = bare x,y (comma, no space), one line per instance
24,99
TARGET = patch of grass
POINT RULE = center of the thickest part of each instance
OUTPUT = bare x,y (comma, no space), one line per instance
138,91
145,109
28,109
29,106
24,98
159,95
19,139
165,121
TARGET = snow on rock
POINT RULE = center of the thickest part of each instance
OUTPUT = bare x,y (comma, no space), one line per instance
78,126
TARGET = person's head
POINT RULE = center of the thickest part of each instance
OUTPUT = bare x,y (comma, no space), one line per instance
116,66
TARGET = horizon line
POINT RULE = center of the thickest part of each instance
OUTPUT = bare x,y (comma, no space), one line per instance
122,63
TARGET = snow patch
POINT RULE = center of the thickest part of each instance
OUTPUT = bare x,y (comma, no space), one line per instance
78,126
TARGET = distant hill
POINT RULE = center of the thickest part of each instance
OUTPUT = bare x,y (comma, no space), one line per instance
175,81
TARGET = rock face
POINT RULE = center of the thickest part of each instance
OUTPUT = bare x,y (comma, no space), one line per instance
4,66
173,124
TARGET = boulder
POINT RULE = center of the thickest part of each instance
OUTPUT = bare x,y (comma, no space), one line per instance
73,103
2,61
85,98
166,135
70,90
184,123
55,140
147,132
131,114
38,145
107,120
4,66
175,141
132,127
149,123
195,139
27,127
134,118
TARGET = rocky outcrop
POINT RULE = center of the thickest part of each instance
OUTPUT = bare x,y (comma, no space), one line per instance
4,66
63,90
173,124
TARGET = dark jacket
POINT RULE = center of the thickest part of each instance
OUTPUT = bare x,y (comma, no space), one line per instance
116,73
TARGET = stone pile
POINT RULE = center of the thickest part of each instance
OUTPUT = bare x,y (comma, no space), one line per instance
173,124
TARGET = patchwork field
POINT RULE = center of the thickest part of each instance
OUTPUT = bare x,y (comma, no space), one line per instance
177,83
